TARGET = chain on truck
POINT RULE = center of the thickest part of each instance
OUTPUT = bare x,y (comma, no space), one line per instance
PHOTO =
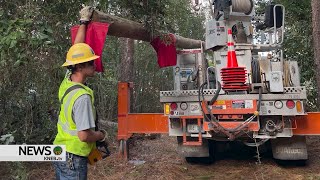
237,86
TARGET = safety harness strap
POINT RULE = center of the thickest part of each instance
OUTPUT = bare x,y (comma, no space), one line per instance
69,90
65,126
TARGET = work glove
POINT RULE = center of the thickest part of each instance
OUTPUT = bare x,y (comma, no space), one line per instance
102,145
106,136
86,13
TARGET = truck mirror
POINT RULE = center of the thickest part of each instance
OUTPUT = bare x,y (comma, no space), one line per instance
269,16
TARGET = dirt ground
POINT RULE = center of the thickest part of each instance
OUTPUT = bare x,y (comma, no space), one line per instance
163,162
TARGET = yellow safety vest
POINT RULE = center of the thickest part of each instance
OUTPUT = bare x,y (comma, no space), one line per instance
67,130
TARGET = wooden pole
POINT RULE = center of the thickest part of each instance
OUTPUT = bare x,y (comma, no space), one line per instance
121,27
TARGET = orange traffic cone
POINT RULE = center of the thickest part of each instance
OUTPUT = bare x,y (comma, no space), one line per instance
233,76
232,57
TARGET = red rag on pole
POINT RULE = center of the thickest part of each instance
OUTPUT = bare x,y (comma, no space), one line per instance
167,53
95,37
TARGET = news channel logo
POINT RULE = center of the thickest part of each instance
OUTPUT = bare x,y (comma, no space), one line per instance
57,150
32,153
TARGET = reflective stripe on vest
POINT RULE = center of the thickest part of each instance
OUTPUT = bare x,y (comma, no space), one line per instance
67,103
66,128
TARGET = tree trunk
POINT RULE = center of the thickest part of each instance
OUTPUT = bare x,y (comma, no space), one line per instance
211,9
315,4
126,60
126,68
121,27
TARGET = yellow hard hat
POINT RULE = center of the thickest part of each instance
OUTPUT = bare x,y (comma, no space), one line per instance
79,53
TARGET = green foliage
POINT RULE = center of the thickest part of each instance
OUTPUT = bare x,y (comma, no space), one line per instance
149,80
33,42
149,12
20,38
181,20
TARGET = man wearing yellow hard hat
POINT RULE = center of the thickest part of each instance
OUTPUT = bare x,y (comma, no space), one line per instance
76,122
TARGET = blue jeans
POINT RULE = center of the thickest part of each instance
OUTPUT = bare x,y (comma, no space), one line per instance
74,168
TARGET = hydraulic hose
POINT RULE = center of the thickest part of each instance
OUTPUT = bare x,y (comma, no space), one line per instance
215,121
199,93
215,97
260,98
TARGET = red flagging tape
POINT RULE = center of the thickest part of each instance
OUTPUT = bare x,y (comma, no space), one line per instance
166,50
95,37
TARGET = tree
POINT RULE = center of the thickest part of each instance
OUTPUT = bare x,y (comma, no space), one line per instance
315,4
126,70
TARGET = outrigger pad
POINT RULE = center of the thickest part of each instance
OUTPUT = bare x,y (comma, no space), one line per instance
193,151
293,148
